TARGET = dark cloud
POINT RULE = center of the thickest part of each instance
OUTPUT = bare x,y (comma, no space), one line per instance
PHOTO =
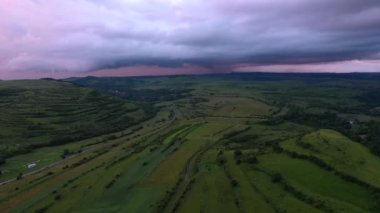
80,35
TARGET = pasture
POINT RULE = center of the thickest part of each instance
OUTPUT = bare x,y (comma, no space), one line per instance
214,143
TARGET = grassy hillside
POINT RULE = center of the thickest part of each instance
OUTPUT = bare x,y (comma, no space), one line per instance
340,153
39,113
218,143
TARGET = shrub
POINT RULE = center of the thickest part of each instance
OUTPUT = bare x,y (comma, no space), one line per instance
221,160
237,153
252,160
276,177
2,159
19,176
57,197
234,183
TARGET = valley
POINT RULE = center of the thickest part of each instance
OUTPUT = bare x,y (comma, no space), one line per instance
212,143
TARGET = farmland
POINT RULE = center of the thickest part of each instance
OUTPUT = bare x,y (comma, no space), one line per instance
213,143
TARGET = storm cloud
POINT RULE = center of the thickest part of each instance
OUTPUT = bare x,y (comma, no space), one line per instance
77,36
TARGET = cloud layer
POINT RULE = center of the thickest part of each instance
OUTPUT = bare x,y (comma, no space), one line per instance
54,36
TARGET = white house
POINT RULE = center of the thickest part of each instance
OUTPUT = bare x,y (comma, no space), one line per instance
31,165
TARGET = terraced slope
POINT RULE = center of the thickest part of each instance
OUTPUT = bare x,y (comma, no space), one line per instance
339,153
215,145
40,113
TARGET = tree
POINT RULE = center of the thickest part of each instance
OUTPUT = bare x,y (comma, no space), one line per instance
238,153
65,153
2,159
234,183
19,176
252,160
276,177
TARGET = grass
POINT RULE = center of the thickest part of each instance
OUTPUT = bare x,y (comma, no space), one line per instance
274,194
170,169
249,198
212,193
237,107
173,136
320,184
341,153
180,145
52,113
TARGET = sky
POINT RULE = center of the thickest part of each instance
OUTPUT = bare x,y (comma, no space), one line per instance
63,38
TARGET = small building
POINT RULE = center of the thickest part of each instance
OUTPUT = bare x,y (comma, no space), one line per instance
31,165
351,121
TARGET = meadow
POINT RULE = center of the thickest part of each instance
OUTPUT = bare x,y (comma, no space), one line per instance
214,143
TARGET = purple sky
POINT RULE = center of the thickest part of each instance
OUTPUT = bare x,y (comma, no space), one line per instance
62,38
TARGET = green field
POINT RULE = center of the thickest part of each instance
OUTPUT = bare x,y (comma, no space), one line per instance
214,143
46,113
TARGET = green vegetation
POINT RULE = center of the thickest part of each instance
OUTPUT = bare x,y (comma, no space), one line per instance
41,113
214,143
